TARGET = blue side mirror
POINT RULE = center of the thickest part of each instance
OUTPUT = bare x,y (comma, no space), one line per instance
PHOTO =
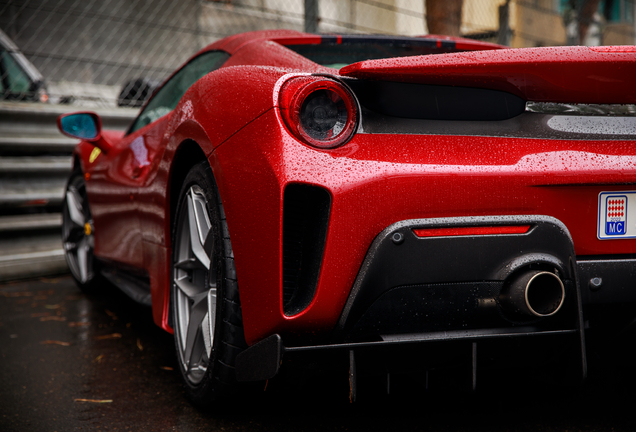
82,125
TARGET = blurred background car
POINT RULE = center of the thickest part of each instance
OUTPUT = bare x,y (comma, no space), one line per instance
19,79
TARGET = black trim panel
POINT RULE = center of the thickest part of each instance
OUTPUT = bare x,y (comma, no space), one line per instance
615,280
526,125
435,102
389,40
135,287
420,109
434,260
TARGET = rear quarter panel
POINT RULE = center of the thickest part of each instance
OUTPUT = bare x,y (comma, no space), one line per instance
376,180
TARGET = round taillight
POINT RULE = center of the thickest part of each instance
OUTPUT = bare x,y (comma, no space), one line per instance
320,111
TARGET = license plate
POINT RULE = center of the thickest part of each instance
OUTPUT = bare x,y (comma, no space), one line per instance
616,215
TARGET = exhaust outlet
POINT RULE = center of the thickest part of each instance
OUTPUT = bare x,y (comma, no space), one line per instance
534,293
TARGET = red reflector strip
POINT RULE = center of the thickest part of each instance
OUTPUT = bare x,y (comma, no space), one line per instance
471,231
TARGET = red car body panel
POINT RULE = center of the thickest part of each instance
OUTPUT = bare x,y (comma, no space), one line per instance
374,180
439,177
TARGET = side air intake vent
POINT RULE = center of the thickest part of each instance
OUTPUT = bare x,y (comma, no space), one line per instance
305,219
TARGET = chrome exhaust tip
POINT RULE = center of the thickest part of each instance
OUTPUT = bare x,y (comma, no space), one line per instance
534,293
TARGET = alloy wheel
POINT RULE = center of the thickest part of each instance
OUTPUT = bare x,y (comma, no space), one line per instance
77,231
195,290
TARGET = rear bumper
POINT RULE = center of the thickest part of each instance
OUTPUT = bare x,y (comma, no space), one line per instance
377,180
454,283
420,289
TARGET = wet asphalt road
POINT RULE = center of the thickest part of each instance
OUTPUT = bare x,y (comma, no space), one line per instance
75,362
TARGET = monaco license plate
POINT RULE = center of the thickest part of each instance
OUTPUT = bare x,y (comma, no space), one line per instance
616,215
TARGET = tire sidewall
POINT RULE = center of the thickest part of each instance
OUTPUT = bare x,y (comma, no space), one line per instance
204,392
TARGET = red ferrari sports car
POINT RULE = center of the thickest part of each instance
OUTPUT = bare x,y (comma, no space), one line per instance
284,193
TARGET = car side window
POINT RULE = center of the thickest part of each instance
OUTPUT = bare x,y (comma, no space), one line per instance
168,96
2,73
13,77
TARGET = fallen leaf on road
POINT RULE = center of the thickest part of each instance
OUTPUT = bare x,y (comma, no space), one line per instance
111,314
168,368
110,336
78,324
141,348
50,280
99,358
94,400
52,306
18,294
55,342
53,318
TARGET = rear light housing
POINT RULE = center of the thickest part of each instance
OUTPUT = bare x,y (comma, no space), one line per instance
319,110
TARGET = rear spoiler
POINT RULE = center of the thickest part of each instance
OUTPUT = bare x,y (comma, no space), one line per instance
593,75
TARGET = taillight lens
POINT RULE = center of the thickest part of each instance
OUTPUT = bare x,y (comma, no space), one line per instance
319,111
472,231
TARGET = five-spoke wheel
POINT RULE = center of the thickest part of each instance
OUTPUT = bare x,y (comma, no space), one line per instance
206,315
77,233
195,294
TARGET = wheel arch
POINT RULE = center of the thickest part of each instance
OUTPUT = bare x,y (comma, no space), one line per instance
188,154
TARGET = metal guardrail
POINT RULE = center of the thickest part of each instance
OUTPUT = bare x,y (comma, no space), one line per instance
35,162
33,120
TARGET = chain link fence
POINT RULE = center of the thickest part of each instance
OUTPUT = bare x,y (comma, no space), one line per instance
88,50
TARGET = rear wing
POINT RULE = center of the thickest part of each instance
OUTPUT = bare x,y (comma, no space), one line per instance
592,75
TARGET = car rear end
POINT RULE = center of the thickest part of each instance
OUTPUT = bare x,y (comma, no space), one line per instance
471,200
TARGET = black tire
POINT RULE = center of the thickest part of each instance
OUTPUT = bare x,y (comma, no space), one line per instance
78,237
206,347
